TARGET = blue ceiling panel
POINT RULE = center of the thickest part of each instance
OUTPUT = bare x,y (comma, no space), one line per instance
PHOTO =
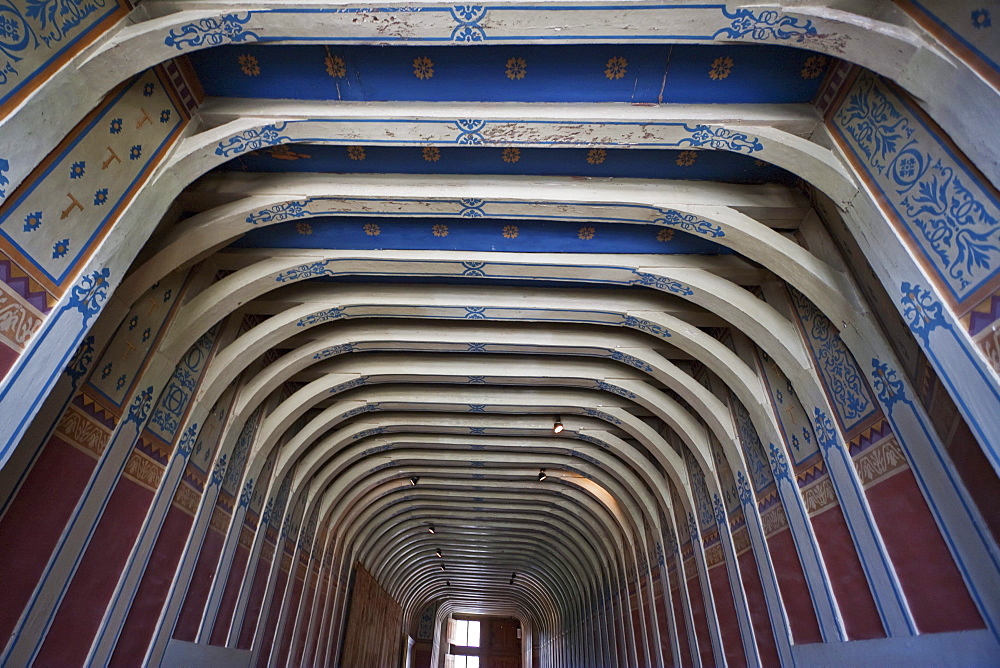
644,74
620,163
477,234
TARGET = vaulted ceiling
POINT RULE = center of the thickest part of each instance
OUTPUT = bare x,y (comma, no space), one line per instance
419,255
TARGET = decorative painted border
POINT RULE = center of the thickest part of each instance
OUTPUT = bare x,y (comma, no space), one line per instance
948,213
474,23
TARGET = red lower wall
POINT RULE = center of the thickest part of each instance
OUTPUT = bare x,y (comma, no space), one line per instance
79,616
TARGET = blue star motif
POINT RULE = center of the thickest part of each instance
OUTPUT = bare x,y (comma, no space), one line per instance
981,19
32,221
106,371
60,248
133,321
135,152
165,116
116,126
101,197
147,90
78,169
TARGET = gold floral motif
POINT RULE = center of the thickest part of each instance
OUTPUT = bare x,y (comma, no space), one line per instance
335,66
665,235
304,229
440,230
510,232
431,153
721,68
813,67
516,68
586,233
596,156
356,152
249,65
372,230
423,67
615,68
686,158
511,154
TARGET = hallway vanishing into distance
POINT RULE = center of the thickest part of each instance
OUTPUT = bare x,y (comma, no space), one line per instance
517,335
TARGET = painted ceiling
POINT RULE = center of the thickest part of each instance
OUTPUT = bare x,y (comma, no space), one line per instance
639,74
526,73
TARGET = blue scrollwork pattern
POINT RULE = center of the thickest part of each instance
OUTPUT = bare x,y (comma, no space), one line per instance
631,360
923,313
219,472
88,295
265,518
469,19
661,283
253,139
743,486
367,408
614,389
332,351
471,208
888,386
689,223
247,494
349,385
279,212
139,410
365,433
720,510
320,317
470,131
186,444
590,439
692,527
81,361
721,138
779,465
475,313
826,435
600,415
646,326
225,29
304,271
476,269
764,25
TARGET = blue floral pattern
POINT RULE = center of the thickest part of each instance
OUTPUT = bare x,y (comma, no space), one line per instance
953,219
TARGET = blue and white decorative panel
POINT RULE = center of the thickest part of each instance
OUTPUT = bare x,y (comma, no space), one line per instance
234,473
796,428
843,381
56,219
753,449
38,34
174,400
949,215
116,370
260,487
702,500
